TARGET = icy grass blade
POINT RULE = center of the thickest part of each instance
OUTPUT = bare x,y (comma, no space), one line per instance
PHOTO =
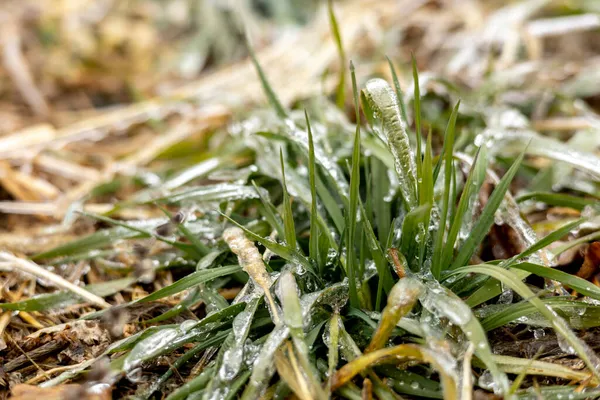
557,200
340,97
193,279
386,280
209,193
473,184
447,157
507,142
417,103
395,354
192,386
413,234
491,288
270,212
574,282
380,100
313,244
98,240
187,248
179,362
167,340
514,365
332,342
270,93
401,300
443,303
63,298
263,368
353,203
292,317
231,354
545,241
486,219
288,216
281,250
399,93
251,261
560,326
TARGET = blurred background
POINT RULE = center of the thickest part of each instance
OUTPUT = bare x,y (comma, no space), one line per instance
94,89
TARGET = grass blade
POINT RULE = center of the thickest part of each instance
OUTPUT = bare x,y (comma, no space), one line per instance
560,326
271,96
486,218
380,101
288,216
340,97
353,201
417,100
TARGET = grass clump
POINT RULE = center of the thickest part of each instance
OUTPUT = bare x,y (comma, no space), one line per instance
359,257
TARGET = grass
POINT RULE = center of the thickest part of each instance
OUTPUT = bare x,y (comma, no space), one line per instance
360,257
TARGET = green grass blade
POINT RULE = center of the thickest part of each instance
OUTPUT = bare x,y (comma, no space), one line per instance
413,234
574,282
313,245
417,100
288,215
353,203
557,200
492,289
271,96
447,153
545,241
474,181
560,326
340,97
270,212
398,90
189,281
486,219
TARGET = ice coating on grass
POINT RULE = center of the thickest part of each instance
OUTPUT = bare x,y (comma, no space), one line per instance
148,347
382,100
264,368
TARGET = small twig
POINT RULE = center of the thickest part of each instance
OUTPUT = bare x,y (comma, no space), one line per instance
11,262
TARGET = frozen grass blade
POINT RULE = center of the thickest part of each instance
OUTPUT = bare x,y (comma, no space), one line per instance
279,249
472,186
398,90
379,100
340,97
557,200
191,280
293,319
270,212
447,157
443,303
288,216
251,261
486,219
401,300
395,354
574,282
313,246
413,234
417,100
491,289
560,326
